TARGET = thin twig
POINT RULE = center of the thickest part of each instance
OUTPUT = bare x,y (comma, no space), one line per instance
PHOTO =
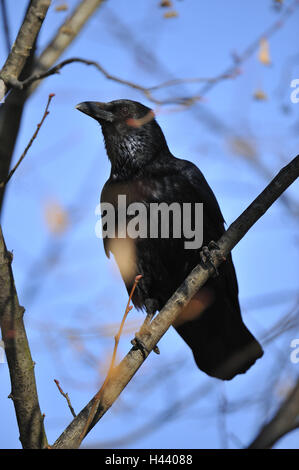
147,91
65,395
46,112
285,420
97,397
118,335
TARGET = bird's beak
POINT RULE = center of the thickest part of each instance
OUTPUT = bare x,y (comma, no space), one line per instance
96,110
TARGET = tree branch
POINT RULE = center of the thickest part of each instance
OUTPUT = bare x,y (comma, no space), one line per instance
66,396
285,420
23,44
46,112
124,372
65,35
21,367
147,91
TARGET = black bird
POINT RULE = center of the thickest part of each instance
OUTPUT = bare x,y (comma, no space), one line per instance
144,170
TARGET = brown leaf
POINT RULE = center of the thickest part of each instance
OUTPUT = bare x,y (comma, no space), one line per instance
62,7
56,217
264,53
260,95
170,14
165,3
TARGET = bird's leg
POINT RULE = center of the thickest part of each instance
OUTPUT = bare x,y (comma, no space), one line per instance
206,257
151,306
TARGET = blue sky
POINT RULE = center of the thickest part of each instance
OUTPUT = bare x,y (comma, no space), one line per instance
66,282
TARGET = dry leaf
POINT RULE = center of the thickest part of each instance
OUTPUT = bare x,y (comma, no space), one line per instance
166,3
57,219
242,146
264,54
170,14
62,7
260,95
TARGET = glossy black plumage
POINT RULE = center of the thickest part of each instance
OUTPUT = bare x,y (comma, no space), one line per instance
143,169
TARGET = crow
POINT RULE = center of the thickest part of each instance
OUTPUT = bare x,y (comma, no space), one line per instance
144,171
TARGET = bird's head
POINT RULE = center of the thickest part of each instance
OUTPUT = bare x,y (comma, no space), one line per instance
132,135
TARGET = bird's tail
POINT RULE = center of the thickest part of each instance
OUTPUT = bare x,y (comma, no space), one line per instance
221,344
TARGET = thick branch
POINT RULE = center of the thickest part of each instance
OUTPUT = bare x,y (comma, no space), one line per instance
285,420
21,366
123,373
23,44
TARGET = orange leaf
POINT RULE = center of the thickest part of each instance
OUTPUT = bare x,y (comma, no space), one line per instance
170,14
56,217
62,7
260,95
264,54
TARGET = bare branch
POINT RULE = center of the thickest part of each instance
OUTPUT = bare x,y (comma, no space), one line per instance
117,338
21,367
46,112
147,91
285,420
56,47
23,44
65,395
65,35
247,53
124,372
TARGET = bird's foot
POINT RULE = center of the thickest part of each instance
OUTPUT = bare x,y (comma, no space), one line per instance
206,257
151,308
139,344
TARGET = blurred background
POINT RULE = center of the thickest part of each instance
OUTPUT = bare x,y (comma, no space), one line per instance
237,123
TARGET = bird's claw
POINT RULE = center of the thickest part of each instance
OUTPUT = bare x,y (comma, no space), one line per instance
138,344
206,257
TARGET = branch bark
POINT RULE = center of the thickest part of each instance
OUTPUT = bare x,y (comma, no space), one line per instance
65,35
285,420
21,367
23,44
124,372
